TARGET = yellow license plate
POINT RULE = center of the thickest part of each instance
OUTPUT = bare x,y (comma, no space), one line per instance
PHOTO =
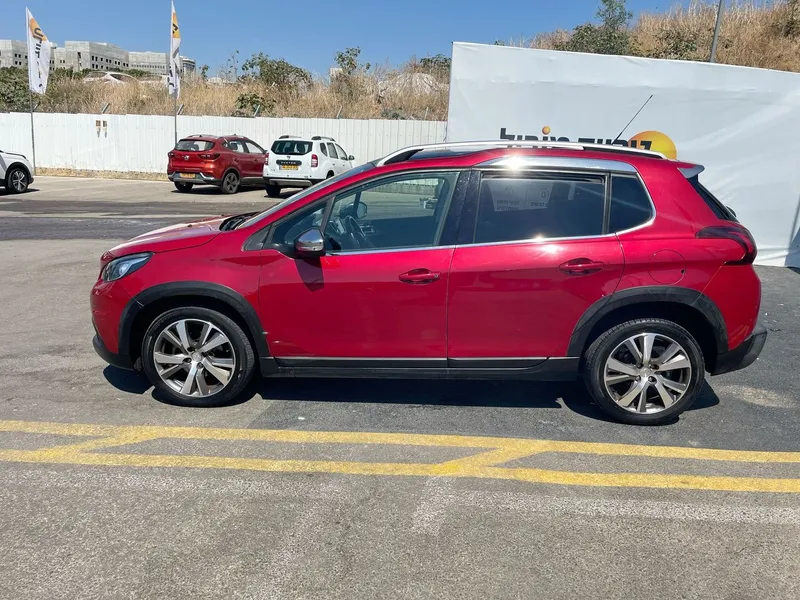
289,167
187,175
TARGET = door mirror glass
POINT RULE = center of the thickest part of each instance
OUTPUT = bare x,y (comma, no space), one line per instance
310,243
361,210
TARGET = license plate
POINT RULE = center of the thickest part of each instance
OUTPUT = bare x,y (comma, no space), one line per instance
288,167
187,175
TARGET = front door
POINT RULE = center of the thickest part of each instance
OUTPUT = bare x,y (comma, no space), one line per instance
378,295
537,260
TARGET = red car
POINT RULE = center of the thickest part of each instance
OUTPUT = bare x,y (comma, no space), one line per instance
543,261
226,162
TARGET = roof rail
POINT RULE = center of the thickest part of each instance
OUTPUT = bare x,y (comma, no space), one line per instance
407,153
287,137
323,137
201,135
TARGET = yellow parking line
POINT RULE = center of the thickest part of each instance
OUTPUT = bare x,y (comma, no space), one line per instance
485,464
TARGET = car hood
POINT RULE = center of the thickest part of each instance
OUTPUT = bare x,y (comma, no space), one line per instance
174,237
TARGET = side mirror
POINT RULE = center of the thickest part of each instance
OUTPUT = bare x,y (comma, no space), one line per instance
310,243
361,210
351,157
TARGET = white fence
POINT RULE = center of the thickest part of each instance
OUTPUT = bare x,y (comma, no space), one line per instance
140,143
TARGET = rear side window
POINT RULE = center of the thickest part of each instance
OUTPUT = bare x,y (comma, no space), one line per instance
718,208
194,145
630,204
291,147
323,149
236,146
539,207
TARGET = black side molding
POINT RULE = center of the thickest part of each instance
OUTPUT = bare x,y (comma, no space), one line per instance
639,295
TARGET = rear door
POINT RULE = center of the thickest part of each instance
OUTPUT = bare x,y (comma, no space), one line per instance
534,258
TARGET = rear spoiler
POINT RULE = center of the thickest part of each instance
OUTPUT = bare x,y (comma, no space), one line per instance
692,171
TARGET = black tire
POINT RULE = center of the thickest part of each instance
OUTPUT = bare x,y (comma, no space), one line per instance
273,191
230,183
242,349
330,174
183,187
17,180
600,350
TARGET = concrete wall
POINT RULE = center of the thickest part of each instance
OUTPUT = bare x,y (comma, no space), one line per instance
139,143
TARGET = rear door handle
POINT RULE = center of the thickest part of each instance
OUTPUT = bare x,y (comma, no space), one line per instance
419,276
581,266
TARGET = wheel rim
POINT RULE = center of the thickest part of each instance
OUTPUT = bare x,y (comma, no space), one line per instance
647,373
230,182
18,179
194,358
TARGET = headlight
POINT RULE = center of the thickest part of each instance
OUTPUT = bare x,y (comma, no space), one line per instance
119,267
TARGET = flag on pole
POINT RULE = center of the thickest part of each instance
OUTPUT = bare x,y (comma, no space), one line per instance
175,56
38,56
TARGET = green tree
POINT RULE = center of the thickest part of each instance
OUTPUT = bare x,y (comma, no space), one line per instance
348,61
611,36
274,72
14,89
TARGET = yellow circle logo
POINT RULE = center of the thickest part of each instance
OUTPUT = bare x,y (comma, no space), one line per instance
658,142
546,130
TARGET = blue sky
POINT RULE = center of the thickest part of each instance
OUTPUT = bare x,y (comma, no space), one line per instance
307,32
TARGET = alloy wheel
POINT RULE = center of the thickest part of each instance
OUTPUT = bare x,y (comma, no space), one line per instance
19,180
231,182
194,357
647,373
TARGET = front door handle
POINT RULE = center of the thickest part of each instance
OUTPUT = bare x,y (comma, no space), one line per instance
581,266
419,276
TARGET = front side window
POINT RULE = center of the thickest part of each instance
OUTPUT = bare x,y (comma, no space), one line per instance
405,211
254,148
236,146
298,222
341,152
331,150
539,206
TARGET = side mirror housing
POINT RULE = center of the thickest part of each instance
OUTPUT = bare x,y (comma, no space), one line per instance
310,243
351,157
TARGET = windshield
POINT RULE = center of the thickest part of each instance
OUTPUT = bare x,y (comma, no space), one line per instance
314,188
294,147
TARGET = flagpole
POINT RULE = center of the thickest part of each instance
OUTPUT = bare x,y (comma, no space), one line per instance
33,137
175,112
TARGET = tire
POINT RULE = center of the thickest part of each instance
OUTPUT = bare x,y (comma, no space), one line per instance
17,180
233,357
329,175
681,384
273,191
184,187
230,183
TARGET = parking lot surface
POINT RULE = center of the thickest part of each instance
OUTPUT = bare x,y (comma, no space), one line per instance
363,489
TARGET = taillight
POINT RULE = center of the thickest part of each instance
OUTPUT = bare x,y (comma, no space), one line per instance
209,156
738,234
266,158
314,161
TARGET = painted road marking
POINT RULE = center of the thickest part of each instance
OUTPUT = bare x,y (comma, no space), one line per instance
486,464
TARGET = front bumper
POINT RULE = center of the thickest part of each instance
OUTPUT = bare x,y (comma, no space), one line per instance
117,360
744,355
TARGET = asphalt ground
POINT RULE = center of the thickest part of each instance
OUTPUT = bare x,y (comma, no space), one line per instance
363,489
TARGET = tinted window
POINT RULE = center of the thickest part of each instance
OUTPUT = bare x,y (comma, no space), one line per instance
720,210
630,204
405,211
512,209
194,145
287,230
292,147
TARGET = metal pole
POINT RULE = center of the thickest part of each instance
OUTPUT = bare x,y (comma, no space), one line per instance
176,116
33,137
716,32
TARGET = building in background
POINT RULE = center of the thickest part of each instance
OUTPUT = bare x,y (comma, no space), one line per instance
95,56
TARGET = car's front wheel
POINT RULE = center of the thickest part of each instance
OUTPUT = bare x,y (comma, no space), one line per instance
184,187
196,356
273,191
644,371
17,180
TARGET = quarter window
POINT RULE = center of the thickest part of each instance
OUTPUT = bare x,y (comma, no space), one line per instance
539,207
630,204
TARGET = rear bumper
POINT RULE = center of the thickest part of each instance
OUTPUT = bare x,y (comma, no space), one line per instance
116,360
744,355
289,182
203,179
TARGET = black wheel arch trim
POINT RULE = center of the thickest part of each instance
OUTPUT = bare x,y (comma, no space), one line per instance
18,165
192,288
641,295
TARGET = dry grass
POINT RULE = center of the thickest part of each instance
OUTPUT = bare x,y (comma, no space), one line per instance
753,34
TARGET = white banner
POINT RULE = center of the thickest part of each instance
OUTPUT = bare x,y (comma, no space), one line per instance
38,55
741,123
174,78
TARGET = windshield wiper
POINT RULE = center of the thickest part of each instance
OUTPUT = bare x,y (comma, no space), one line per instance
235,221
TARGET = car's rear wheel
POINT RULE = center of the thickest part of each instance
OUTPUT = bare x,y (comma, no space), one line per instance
196,356
230,183
273,191
644,371
184,187
17,180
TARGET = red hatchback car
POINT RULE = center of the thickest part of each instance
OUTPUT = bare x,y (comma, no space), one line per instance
226,162
542,260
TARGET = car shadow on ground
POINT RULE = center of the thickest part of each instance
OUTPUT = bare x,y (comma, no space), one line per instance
4,193
211,190
433,393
